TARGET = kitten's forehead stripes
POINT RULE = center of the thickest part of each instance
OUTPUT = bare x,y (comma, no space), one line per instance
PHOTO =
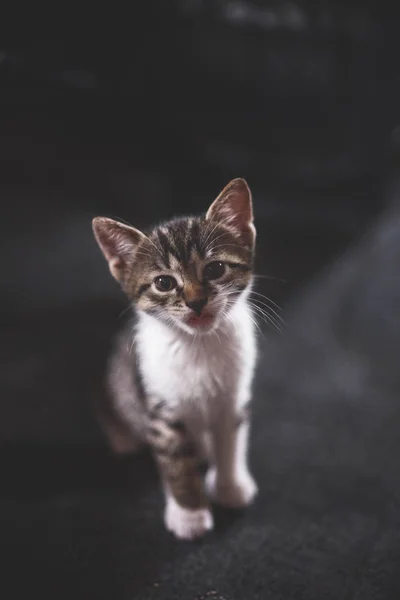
164,244
180,248
190,239
179,239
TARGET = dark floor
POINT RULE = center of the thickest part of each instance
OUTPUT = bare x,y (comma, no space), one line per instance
77,523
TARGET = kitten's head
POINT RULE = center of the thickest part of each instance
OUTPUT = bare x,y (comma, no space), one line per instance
188,272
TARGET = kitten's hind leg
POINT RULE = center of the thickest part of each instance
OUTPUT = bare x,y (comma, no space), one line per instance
120,409
120,436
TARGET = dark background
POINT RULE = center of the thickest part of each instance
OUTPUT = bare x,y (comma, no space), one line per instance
146,112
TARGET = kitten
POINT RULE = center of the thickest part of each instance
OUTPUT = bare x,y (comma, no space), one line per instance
180,379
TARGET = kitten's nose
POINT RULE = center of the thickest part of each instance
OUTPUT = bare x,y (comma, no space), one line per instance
197,305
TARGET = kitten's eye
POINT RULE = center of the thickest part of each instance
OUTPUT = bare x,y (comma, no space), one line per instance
214,270
165,283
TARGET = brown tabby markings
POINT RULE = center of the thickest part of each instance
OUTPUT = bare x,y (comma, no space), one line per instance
184,245
181,248
177,459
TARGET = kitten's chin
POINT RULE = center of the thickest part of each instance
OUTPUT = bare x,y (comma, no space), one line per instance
201,322
199,325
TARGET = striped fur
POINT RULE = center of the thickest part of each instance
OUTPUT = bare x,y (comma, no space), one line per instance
180,376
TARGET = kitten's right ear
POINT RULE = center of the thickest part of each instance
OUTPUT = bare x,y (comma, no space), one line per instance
118,243
233,207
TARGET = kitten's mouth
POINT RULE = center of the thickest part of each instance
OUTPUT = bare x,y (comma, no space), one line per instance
201,321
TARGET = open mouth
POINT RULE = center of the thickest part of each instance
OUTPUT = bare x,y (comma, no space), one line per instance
201,321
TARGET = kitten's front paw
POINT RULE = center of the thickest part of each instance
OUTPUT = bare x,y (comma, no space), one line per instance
234,494
187,524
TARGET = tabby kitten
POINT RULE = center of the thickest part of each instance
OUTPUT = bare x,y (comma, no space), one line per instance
180,379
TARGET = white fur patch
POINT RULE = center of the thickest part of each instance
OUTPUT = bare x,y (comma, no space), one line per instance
205,380
237,493
187,524
197,373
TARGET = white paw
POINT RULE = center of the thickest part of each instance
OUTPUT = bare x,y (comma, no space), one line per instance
234,494
187,524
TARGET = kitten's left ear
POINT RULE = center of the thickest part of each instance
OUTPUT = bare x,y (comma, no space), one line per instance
233,208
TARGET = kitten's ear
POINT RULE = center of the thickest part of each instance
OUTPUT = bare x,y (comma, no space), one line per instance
233,208
118,243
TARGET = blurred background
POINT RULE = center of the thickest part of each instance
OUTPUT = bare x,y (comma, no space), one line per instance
145,112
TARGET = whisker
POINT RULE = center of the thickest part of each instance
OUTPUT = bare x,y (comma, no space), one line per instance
133,340
266,298
123,312
123,221
229,317
218,338
208,232
269,308
214,248
266,317
265,314
267,321
254,321
222,222
218,237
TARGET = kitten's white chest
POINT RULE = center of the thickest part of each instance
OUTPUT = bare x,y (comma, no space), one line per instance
196,370
205,368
